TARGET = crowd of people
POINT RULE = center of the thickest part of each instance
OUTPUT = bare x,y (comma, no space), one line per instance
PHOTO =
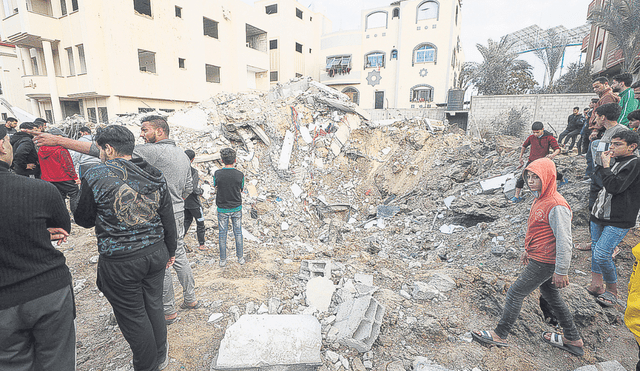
136,197
609,143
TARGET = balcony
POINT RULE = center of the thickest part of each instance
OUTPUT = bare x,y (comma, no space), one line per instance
37,86
592,6
29,28
350,78
614,57
585,43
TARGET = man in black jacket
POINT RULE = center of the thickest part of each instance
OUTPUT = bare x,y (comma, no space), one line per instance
573,129
37,329
128,202
25,154
192,206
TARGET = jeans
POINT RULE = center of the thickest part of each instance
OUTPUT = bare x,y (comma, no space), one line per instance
223,227
189,215
134,290
40,334
604,238
183,269
583,143
536,275
590,164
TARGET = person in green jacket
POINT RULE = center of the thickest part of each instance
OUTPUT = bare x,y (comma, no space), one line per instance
628,102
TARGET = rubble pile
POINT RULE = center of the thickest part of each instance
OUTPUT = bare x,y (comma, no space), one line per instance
397,235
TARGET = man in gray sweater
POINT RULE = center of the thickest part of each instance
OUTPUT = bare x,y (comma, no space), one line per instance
161,152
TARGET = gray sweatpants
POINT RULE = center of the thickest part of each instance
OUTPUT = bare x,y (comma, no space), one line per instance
183,269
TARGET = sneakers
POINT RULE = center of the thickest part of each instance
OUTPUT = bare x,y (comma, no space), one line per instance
223,263
241,260
563,182
165,363
515,200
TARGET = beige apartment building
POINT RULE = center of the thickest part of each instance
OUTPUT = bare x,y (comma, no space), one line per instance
406,55
100,58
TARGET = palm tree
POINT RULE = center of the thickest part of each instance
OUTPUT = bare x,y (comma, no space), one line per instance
500,69
549,47
621,18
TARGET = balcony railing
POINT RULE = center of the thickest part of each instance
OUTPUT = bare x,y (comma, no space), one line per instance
614,57
585,43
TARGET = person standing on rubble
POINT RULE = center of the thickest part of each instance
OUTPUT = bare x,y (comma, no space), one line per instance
160,152
192,206
128,202
540,141
229,183
547,257
632,313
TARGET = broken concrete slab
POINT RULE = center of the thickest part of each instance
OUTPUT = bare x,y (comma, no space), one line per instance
495,182
206,158
358,322
194,118
319,292
286,151
424,291
442,282
383,211
340,138
288,342
297,191
315,268
305,134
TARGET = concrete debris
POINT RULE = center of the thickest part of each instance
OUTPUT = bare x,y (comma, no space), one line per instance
603,366
287,341
358,323
495,182
315,268
319,293
285,152
215,317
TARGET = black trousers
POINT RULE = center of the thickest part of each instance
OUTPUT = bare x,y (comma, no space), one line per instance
566,135
40,334
189,215
134,290
69,188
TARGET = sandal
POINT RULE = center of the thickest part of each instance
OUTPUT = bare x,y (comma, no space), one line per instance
593,293
515,200
583,246
616,251
556,341
486,338
607,299
169,321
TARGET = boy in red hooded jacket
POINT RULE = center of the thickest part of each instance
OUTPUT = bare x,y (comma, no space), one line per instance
57,168
547,258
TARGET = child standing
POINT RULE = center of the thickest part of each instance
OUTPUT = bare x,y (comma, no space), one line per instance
192,206
547,258
229,183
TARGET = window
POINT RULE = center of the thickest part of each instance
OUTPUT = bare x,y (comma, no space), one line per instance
181,63
376,20
145,109
427,10
597,54
353,94
339,65
34,65
298,74
103,115
299,47
0,89
142,7
178,12
298,13
273,76
456,15
273,44
82,60
91,112
396,13
5,116
63,7
422,93
374,59
394,54
424,53
169,110
74,6
147,61
271,9
213,73
72,64
210,27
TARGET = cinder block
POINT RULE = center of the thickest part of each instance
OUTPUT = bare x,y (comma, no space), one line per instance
358,322
315,268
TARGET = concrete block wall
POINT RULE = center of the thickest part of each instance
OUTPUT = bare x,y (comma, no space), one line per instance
315,268
551,109
358,322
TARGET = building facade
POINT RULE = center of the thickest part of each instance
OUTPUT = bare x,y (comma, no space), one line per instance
406,55
100,58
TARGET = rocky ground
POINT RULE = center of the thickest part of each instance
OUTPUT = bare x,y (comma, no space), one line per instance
377,207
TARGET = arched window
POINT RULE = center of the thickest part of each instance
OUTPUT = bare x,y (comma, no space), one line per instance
422,93
374,59
424,53
394,54
396,13
427,10
376,20
353,94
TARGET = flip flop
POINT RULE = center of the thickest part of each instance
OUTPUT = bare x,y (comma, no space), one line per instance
486,338
556,341
583,246
607,299
616,251
187,306
593,293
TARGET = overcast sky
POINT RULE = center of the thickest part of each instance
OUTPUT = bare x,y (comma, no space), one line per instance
481,20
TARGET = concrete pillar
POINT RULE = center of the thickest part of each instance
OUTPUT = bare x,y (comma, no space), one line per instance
25,57
35,107
51,77
113,105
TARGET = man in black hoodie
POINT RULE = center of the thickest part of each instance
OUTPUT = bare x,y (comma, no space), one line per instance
128,202
25,154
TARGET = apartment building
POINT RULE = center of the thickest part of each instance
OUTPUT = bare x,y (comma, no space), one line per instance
406,55
10,73
100,58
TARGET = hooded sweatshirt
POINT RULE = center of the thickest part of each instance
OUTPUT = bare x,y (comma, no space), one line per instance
619,200
548,238
56,164
24,153
632,314
540,146
129,204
